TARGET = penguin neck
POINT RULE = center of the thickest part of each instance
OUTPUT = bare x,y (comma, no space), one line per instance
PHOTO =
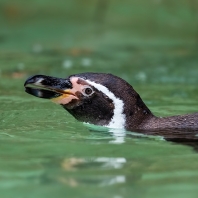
136,112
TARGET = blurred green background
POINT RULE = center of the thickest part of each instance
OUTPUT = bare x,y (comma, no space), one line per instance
152,40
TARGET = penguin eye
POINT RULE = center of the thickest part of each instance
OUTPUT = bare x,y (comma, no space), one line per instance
88,91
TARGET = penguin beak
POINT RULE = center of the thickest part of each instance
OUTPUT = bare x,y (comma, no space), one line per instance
48,87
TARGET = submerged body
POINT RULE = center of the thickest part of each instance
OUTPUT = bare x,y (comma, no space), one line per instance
107,100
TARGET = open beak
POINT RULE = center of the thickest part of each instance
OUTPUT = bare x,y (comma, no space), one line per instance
48,87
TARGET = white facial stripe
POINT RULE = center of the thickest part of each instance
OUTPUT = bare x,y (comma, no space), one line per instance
118,120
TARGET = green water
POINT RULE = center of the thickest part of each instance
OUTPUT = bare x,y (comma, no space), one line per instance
45,152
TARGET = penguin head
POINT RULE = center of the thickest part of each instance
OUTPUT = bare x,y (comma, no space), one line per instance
96,98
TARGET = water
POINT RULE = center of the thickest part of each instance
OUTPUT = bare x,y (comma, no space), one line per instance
45,152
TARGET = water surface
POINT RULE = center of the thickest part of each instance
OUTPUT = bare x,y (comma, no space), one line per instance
45,152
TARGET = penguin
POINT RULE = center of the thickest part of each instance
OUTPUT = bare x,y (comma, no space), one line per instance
108,100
